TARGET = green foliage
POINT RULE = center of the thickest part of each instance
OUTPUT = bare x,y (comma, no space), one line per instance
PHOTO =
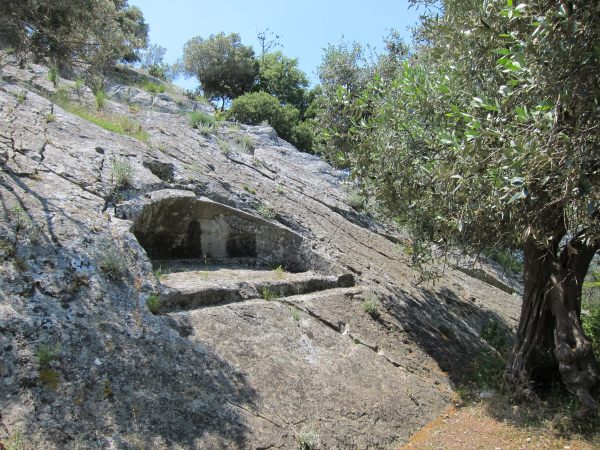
249,189
508,260
15,442
224,146
153,303
254,108
590,321
371,306
281,77
100,97
486,371
496,335
152,60
50,118
279,272
224,67
53,75
49,377
344,75
98,33
258,107
303,136
267,212
46,354
61,97
114,123
198,118
355,199
19,219
79,85
122,173
245,142
112,263
480,135
160,273
268,294
295,314
308,438
153,88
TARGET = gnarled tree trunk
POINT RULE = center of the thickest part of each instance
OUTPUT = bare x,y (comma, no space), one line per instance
550,343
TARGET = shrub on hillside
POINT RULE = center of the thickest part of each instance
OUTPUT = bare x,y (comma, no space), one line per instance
303,136
258,107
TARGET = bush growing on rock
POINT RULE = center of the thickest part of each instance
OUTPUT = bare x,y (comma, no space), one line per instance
258,107
198,118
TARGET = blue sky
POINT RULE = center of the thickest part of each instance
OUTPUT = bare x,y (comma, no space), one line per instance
305,27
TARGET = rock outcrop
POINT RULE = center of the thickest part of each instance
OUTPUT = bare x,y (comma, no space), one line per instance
212,299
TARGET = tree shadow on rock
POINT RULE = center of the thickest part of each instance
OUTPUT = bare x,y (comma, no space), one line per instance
448,328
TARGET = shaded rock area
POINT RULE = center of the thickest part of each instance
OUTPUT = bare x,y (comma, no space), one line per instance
257,270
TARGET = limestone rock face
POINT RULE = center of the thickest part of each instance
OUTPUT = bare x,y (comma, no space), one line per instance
207,291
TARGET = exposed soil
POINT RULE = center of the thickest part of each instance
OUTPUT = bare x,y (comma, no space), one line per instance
478,427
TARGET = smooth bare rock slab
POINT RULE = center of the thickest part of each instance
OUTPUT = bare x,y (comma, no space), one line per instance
308,374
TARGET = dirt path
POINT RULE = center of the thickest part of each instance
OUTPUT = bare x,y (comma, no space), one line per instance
472,427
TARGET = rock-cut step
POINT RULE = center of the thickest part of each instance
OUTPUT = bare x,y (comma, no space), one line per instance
221,284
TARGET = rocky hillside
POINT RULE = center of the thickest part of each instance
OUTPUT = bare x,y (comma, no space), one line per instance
168,287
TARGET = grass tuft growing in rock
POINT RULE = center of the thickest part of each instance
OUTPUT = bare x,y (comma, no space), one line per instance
122,173
114,123
249,189
268,294
15,442
267,212
53,75
46,354
224,147
153,303
201,118
279,272
111,262
19,219
153,88
371,306
245,143
308,438
100,97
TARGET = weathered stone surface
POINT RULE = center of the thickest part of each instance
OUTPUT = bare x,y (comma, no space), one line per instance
85,364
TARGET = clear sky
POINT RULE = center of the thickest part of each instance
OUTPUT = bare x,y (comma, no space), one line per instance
305,26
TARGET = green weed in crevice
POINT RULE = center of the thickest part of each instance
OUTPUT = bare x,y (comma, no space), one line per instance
111,263
122,173
153,303
371,306
268,294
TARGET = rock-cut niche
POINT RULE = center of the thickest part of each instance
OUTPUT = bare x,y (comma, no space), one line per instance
187,228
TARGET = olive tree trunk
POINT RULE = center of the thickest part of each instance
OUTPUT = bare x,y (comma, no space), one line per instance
550,343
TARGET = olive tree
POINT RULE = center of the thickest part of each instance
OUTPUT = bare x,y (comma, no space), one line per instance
344,75
488,137
95,33
224,67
